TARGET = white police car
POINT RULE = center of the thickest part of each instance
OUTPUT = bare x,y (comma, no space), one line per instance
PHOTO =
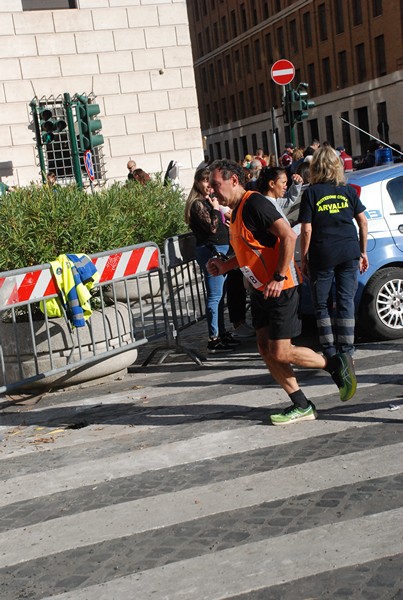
379,298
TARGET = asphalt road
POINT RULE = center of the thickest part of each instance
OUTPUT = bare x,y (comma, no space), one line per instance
170,484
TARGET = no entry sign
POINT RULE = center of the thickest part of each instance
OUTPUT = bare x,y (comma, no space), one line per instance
89,167
282,72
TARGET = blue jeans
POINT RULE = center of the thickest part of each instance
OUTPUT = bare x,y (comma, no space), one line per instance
215,287
336,336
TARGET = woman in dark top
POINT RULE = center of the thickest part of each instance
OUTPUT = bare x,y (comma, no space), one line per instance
204,218
331,250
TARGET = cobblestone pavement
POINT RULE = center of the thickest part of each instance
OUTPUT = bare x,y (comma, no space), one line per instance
169,484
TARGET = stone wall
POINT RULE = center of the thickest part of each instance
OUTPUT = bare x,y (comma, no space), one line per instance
134,55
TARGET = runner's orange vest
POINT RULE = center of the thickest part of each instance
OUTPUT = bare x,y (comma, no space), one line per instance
257,262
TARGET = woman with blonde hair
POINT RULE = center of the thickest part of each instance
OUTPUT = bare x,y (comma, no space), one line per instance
332,253
203,215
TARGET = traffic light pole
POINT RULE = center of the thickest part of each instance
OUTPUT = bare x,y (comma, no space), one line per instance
38,140
73,140
288,95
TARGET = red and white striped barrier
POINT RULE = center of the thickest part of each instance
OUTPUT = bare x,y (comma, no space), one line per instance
124,264
30,286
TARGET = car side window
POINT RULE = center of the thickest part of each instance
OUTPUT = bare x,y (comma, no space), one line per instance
395,190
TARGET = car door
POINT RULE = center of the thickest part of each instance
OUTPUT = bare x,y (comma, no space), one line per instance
392,200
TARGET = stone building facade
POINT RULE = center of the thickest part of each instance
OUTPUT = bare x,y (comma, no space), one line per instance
133,55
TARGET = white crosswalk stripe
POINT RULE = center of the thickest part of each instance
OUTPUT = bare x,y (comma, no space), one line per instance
175,490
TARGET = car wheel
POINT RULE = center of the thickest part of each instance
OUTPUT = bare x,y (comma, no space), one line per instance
381,309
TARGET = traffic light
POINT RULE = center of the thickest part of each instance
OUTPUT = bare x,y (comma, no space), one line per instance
50,124
304,104
88,126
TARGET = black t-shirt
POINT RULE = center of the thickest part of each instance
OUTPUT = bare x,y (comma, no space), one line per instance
258,214
331,209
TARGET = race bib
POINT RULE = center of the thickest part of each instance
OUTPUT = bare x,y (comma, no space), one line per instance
251,277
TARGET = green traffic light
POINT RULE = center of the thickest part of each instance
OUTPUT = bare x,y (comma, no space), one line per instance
87,125
48,138
50,124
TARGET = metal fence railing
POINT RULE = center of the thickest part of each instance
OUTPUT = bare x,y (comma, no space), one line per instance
141,297
35,348
186,295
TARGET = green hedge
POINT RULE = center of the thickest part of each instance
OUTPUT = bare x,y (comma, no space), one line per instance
39,223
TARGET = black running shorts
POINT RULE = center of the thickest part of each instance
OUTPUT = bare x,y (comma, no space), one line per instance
279,315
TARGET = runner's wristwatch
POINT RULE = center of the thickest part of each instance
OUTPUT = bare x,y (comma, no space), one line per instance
279,277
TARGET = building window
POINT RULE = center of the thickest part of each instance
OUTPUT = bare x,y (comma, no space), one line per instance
258,55
196,11
383,127
48,4
254,13
224,29
262,98
212,76
280,41
208,112
266,10
307,29
339,18
204,7
357,12
329,130
236,149
244,143
293,36
380,58
265,142
277,5
252,102
327,77
233,24
343,70
227,153
269,47
224,110
211,151
247,61
218,149
204,80
215,35
376,8
216,115
314,129
254,142
220,71
232,105
200,44
242,104
208,40
228,67
238,66
244,20
360,62
312,79
322,22
300,135
345,131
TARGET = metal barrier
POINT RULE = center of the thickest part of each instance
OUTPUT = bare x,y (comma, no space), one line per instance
186,292
132,311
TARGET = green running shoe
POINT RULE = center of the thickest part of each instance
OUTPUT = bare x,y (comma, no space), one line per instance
345,377
293,414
